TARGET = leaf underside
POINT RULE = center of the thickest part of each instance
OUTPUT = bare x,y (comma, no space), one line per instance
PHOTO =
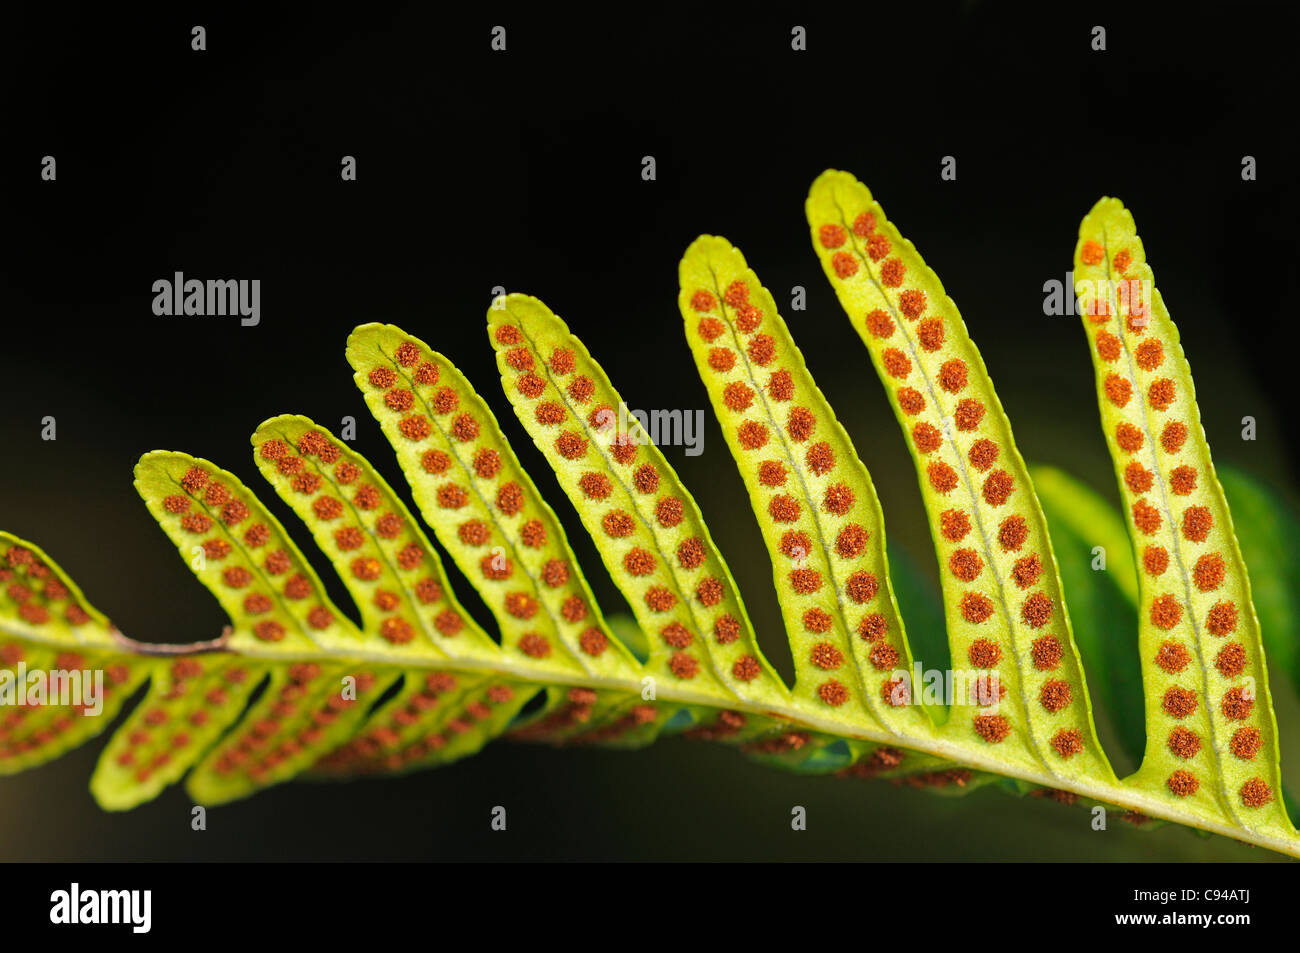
404,678
647,527
810,493
1002,594
1211,733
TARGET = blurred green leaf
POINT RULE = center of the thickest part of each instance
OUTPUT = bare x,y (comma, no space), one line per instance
1103,603
1268,526
921,607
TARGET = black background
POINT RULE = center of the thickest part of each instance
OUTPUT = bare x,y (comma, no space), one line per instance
522,169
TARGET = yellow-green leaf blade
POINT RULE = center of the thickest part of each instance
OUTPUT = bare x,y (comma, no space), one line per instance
243,555
483,507
645,524
1211,731
307,710
378,549
1085,529
53,639
811,495
580,716
1001,587
437,718
40,602
54,699
190,702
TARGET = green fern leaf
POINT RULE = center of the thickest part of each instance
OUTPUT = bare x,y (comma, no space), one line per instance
483,507
307,710
40,603
243,556
190,703
296,688
811,494
646,526
52,637
1001,589
278,609
580,716
437,718
1267,525
378,549
1211,732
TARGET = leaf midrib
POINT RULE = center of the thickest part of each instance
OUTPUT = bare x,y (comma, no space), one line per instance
1116,793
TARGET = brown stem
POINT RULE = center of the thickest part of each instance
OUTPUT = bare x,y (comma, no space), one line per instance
191,648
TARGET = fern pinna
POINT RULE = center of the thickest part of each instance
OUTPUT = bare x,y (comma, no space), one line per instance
299,686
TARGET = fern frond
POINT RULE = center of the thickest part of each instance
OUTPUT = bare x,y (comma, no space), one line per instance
279,610
296,688
646,526
437,718
811,494
483,507
1211,732
1001,588
378,549
190,703
47,626
580,716
307,710
40,603
243,556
